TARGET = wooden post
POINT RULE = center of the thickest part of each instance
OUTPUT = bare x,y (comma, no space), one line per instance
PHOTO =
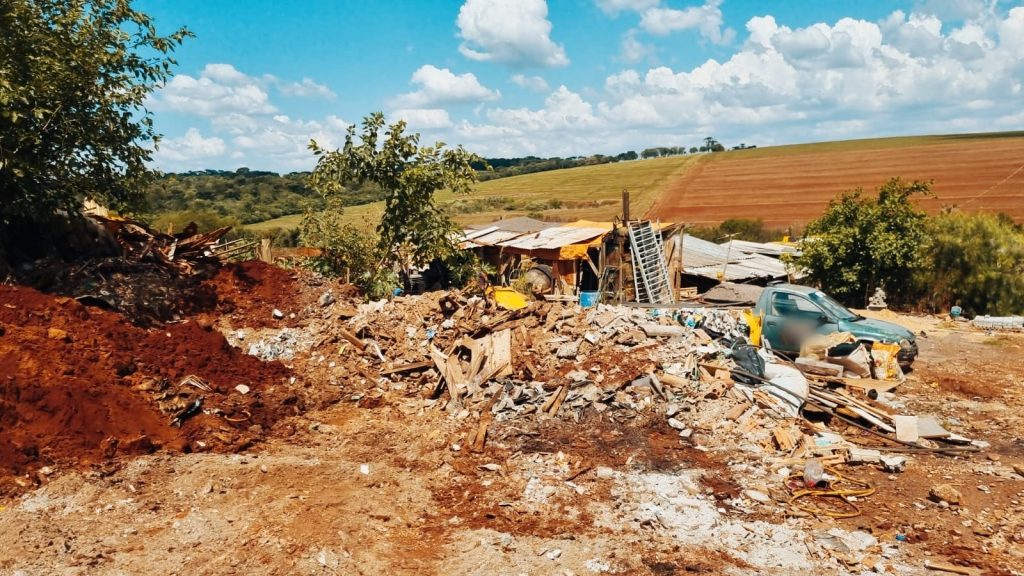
265,253
625,206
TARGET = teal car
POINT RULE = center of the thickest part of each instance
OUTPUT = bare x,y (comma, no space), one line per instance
792,312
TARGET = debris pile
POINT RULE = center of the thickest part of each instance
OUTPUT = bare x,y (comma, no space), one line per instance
487,366
179,253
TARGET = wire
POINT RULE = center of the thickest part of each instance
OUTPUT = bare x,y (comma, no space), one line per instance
833,490
996,185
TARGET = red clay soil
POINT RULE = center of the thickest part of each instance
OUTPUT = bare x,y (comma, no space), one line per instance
79,385
790,189
250,291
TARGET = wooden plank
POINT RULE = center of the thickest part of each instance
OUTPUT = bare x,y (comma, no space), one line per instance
352,339
408,367
811,366
450,371
560,399
736,411
783,438
674,381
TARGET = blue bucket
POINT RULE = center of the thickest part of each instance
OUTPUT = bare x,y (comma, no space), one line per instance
588,299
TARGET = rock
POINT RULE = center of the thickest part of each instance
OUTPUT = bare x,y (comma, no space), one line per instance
1019,469
671,410
676,424
862,455
364,469
757,496
277,314
569,350
263,468
894,463
605,473
57,334
242,389
993,457
945,493
553,554
326,299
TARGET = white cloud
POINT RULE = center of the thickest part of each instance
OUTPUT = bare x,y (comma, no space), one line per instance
441,86
219,89
307,88
534,83
423,118
633,50
191,150
706,18
907,74
615,6
513,32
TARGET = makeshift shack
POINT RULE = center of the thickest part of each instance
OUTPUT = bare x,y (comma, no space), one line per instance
576,254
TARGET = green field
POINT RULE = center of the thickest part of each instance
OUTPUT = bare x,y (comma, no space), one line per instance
960,164
587,192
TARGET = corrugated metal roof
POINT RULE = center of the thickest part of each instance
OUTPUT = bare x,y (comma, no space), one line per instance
553,238
492,237
698,252
471,234
707,259
517,224
767,248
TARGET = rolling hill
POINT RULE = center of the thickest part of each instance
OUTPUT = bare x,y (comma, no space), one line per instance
782,185
790,185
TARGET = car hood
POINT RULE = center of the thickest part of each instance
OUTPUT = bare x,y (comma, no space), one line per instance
877,330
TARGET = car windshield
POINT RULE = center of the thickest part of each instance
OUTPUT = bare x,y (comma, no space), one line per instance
831,307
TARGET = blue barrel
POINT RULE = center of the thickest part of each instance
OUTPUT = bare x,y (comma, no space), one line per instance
588,299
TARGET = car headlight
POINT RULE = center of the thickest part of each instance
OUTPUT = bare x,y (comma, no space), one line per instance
905,343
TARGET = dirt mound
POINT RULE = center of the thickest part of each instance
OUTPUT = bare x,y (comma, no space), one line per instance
251,291
79,385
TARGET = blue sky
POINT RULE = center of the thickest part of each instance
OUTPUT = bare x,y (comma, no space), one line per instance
577,77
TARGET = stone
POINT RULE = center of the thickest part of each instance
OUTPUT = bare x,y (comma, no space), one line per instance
864,455
894,463
1019,469
57,334
757,496
945,493
676,424
326,299
277,314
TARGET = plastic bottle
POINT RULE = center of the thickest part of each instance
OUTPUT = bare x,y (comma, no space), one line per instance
814,472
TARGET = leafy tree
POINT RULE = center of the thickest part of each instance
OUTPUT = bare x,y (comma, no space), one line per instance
414,229
73,82
861,243
975,261
694,149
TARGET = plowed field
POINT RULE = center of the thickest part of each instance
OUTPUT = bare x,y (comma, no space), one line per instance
790,185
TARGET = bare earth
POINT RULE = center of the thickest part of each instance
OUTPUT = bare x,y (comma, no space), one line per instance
380,489
787,186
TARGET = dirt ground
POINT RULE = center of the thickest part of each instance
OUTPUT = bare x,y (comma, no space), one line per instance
389,486
786,189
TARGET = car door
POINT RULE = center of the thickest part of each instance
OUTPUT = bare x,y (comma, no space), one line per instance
790,319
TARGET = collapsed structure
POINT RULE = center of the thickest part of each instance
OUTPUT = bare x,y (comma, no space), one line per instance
611,261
